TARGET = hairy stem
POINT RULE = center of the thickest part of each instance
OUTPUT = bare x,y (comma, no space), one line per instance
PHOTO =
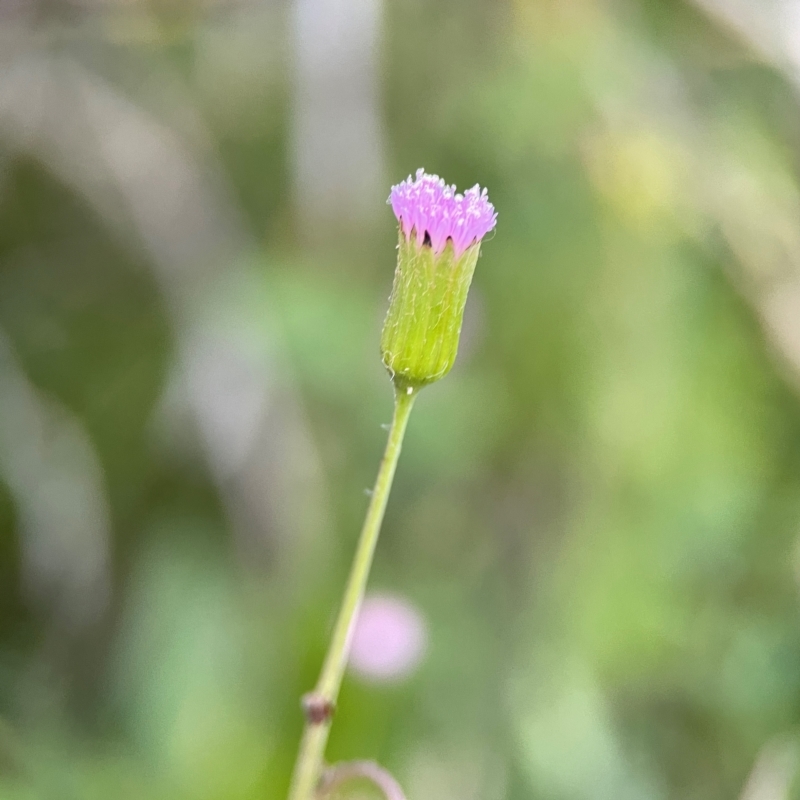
320,704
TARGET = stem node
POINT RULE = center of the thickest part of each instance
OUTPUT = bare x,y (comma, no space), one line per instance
317,708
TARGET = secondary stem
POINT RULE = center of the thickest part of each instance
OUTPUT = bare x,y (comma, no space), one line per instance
320,704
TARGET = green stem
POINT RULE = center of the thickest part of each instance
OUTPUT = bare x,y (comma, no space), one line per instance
319,705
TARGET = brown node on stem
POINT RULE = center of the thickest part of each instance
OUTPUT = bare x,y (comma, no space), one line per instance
317,708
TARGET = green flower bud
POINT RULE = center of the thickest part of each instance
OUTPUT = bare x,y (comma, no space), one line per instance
421,332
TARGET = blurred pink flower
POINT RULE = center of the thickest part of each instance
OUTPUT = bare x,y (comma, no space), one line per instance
436,212
389,639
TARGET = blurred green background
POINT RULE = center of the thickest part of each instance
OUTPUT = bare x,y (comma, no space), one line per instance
596,515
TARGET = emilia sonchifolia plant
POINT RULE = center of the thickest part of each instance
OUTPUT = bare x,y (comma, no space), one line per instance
440,233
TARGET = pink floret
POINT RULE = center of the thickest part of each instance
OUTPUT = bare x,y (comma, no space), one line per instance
429,205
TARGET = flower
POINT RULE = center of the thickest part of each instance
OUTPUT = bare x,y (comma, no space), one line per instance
435,212
389,638
439,242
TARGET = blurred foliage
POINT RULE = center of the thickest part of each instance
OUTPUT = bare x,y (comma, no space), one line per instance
597,512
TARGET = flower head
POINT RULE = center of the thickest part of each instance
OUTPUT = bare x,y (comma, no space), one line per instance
436,212
439,244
